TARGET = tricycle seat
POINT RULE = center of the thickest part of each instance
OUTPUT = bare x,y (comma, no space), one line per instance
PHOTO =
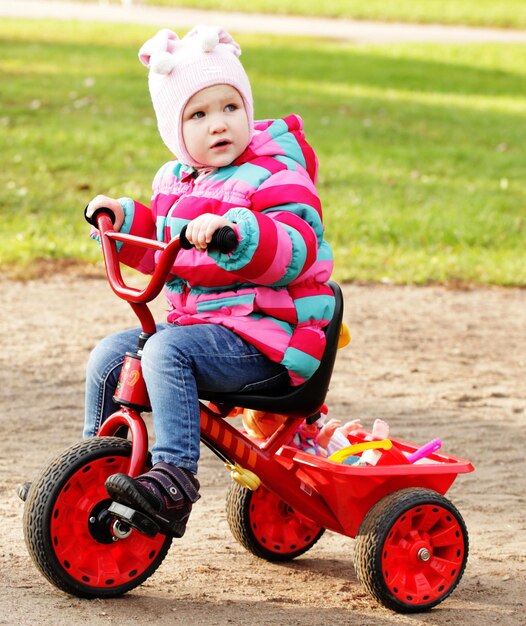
301,401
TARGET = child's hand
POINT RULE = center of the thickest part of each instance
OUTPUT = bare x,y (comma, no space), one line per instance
200,230
104,201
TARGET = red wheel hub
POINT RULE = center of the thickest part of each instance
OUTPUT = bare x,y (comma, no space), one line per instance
277,526
81,532
422,555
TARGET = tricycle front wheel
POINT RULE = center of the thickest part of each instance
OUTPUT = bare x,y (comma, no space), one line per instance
411,550
267,526
72,538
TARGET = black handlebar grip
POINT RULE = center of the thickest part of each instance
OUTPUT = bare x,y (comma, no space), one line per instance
93,219
224,240
183,241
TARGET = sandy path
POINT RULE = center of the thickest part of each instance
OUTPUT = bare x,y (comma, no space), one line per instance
431,361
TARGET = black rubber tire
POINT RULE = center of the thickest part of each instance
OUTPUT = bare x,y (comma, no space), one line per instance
40,506
240,506
375,530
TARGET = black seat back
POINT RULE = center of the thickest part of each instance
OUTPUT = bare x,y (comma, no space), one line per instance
301,401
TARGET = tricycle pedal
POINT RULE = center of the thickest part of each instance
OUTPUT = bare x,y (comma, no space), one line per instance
135,519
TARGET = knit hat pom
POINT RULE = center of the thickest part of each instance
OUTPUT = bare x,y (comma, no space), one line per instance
162,62
209,38
161,46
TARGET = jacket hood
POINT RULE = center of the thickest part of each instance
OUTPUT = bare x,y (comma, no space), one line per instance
281,139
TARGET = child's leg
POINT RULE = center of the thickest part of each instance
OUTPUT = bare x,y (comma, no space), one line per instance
179,360
176,362
103,370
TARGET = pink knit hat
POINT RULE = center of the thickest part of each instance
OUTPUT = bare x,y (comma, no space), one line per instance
179,68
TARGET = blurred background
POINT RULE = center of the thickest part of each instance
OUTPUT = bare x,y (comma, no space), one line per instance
421,143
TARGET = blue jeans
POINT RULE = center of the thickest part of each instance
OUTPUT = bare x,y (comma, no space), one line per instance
177,361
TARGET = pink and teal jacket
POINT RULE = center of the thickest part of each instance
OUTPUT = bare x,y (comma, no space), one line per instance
271,290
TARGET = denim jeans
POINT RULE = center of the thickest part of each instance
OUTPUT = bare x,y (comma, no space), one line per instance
177,361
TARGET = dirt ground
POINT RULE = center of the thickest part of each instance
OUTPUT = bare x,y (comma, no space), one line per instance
433,362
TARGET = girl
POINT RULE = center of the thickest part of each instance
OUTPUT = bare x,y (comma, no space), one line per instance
251,319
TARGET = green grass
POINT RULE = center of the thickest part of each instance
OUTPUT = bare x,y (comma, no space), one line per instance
421,147
503,13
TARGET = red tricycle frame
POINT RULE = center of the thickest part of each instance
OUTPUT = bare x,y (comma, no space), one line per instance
412,543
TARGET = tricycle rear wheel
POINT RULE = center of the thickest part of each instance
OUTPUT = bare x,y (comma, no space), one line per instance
411,550
71,536
267,526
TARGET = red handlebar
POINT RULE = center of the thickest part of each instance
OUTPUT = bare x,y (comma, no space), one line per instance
109,239
137,298
224,240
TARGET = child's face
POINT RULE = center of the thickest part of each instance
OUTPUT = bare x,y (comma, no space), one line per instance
215,126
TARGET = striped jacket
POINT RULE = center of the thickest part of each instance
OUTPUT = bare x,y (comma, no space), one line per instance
272,289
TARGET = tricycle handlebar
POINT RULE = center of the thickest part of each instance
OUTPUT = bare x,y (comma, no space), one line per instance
224,240
109,239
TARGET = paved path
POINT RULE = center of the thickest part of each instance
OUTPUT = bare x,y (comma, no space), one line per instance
349,30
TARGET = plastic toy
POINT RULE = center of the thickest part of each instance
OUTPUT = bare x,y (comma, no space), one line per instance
341,455
425,451
260,424
411,542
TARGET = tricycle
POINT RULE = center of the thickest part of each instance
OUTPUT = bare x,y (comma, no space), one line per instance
411,542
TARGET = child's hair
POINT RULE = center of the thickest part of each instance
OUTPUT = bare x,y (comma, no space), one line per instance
179,68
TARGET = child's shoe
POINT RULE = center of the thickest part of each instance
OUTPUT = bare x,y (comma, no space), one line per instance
165,494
